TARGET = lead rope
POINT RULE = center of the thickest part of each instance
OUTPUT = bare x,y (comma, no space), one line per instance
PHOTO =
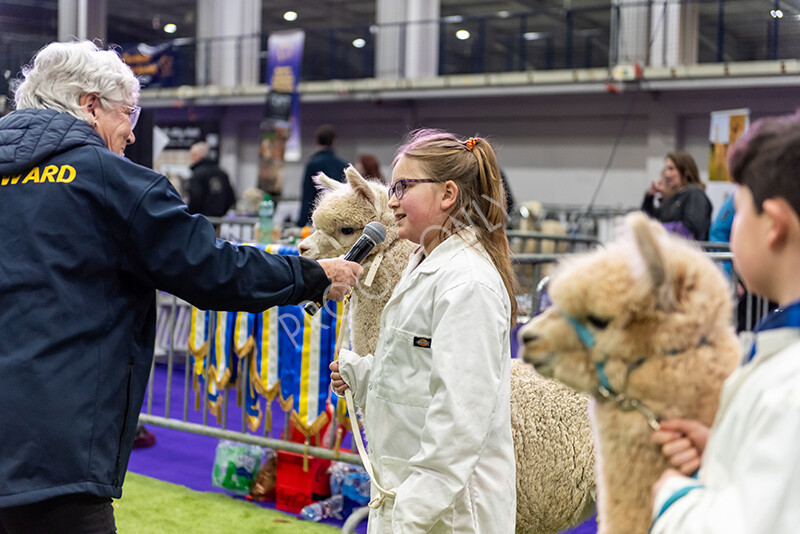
377,502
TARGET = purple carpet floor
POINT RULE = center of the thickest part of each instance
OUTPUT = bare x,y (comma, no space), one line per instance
187,459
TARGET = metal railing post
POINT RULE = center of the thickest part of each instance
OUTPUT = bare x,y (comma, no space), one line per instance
170,351
523,43
568,38
442,47
773,44
237,65
479,53
401,57
207,63
188,372
720,30
613,44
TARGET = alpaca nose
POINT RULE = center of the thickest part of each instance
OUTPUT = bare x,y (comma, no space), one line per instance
303,247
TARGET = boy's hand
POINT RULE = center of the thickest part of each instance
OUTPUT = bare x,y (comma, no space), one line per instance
682,442
337,384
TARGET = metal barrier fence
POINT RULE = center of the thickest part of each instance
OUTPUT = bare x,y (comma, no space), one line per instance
174,356
599,221
546,38
534,254
237,229
748,310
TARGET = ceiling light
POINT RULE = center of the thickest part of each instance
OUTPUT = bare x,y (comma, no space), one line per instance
776,13
359,43
170,28
291,16
503,14
532,36
462,35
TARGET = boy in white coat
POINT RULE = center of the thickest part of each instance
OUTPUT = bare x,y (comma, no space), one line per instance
749,477
436,393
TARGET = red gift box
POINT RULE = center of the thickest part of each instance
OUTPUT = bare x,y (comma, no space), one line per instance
295,487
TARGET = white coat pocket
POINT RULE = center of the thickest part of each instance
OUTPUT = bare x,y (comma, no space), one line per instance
403,375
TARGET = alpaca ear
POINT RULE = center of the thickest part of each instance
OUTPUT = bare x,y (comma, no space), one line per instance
323,180
653,258
361,187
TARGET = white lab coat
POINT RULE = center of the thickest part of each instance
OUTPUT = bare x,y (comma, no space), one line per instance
750,478
437,417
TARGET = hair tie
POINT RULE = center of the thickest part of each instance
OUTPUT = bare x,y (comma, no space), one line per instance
470,143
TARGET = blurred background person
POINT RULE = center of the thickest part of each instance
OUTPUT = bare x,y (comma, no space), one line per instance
324,160
368,166
683,207
210,191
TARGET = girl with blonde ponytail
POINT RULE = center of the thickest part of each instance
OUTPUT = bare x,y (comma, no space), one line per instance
481,202
436,393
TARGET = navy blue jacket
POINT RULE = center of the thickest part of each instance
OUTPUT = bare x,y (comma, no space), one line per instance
323,161
690,206
86,238
210,191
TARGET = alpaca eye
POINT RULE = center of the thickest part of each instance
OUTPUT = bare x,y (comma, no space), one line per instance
597,322
348,230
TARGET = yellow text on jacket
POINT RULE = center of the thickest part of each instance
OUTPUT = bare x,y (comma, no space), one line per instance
50,173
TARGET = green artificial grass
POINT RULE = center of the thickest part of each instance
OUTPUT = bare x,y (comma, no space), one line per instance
155,507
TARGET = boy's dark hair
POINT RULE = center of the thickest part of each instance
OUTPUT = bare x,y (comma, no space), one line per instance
325,135
766,159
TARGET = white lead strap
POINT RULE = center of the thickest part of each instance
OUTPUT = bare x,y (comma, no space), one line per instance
376,262
356,431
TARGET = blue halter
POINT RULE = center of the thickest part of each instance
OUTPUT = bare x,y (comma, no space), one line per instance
604,388
586,337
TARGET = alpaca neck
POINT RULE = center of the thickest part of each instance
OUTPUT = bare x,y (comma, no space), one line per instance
369,301
629,465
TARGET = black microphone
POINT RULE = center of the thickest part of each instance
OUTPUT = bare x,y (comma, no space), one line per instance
374,234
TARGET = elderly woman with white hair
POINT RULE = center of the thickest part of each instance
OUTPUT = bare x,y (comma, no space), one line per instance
87,237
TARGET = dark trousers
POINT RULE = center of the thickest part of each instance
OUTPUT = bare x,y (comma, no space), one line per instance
69,514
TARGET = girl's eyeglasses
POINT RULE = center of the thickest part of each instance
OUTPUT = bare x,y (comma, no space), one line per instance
134,115
398,188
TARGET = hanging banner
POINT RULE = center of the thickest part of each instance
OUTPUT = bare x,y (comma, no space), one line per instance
198,342
154,66
280,128
726,127
283,354
220,368
306,349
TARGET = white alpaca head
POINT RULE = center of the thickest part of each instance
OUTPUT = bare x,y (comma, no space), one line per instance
342,212
650,304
